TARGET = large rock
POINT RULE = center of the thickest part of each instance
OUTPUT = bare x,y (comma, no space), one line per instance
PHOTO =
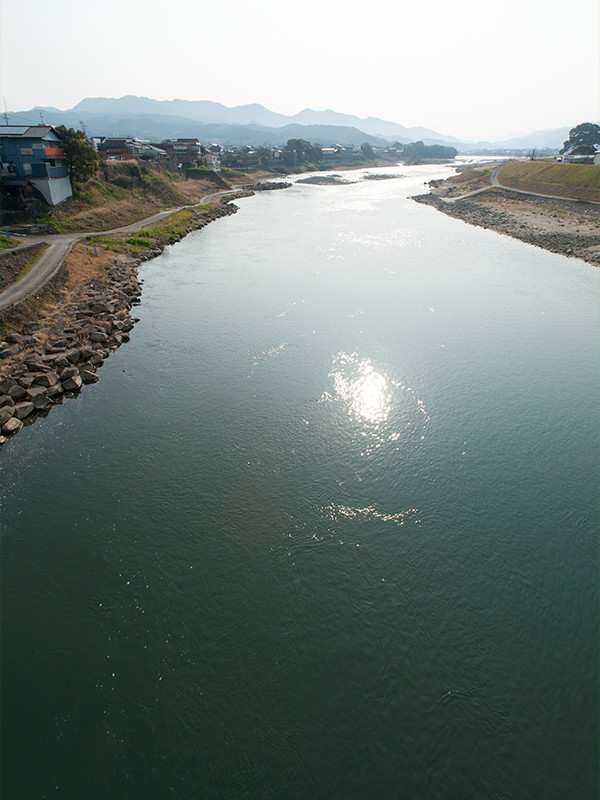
17,392
72,384
47,379
24,409
87,376
6,383
85,352
37,395
35,364
74,355
6,412
7,352
68,372
12,426
54,391
6,400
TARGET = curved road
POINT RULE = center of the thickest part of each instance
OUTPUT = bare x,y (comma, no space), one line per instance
51,259
495,182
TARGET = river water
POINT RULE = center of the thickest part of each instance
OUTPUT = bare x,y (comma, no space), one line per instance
325,528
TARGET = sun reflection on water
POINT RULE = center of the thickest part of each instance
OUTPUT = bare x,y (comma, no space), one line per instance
384,408
366,392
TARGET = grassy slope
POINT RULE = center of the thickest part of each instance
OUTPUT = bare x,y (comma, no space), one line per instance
579,181
124,192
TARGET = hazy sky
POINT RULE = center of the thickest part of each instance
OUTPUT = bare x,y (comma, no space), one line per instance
468,69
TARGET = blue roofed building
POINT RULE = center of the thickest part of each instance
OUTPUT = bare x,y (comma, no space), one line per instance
33,165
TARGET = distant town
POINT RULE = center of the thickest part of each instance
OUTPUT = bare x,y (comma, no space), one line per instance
40,163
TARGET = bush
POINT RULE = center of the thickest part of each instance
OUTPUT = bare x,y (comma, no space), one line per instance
124,181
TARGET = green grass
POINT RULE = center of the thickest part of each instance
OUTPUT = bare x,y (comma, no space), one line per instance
32,262
161,189
578,181
6,242
164,232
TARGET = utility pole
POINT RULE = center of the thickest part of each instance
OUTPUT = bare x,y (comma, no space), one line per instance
5,112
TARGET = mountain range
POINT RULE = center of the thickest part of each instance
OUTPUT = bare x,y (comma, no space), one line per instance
252,124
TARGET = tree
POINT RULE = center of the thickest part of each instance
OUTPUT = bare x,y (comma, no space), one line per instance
300,151
367,150
584,150
80,156
588,133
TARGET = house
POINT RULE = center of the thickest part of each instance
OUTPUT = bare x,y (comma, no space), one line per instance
33,165
186,150
212,161
119,149
151,153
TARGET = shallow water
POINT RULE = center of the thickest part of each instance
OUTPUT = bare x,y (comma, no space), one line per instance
326,527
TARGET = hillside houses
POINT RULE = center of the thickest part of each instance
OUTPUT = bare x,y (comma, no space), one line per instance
34,170
181,152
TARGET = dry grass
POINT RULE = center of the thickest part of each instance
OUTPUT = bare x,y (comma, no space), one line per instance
50,304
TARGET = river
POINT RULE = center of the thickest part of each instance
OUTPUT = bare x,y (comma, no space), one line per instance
325,528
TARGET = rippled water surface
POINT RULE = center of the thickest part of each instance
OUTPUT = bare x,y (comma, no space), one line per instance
327,526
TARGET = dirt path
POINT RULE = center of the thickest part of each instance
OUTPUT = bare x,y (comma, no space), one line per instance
60,245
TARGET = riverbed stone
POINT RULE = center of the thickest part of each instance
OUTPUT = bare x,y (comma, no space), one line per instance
87,376
10,351
24,409
73,355
36,391
68,372
12,426
72,384
17,392
47,378
6,412
6,383
6,400
54,391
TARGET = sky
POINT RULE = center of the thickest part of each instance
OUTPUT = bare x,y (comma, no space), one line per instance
477,71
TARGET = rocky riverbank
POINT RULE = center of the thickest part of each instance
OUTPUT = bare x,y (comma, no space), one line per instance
570,228
75,323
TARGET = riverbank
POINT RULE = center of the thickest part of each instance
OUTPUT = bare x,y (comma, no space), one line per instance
568,227
55,341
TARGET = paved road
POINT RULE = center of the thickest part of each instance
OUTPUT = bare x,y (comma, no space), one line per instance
51,260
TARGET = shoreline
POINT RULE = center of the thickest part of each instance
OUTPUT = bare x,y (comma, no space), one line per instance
60,336
567,227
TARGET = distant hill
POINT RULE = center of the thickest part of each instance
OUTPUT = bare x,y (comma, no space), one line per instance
255,125
539,139
153,119
156,127
372,125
